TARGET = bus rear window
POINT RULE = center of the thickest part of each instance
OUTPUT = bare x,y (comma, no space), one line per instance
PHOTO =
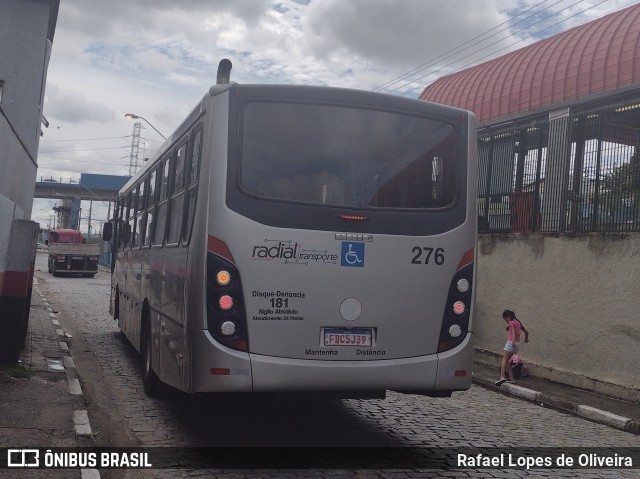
348,157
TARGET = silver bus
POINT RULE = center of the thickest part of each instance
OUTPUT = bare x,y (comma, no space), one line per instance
297,239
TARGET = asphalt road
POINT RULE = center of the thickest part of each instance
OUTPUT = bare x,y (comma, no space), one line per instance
122,415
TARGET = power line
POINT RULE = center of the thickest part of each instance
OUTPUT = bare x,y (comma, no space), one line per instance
80,161
489,45
47,165
90,139
499,50
150,139
89,149
447,53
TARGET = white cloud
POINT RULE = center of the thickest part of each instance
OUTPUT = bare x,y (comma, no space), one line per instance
74,107
157,58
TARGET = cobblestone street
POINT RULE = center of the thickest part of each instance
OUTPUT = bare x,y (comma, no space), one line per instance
122,415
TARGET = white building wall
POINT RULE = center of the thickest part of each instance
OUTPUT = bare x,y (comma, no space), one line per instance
579,298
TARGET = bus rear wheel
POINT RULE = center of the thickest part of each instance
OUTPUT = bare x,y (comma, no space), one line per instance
150,380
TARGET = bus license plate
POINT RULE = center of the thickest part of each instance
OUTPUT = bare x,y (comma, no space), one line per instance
348,337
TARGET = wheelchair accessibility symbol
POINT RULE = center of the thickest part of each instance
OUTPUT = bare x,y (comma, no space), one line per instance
352,255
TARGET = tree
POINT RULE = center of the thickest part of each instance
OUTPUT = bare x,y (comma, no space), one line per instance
620,191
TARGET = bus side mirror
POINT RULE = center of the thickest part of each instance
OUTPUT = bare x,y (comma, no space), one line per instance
46,242
107,231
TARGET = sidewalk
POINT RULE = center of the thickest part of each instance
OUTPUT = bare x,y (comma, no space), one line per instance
41,403
595,407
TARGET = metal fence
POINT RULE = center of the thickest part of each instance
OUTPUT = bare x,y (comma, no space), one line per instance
573,171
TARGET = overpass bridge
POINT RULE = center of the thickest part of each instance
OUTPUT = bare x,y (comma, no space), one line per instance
90,187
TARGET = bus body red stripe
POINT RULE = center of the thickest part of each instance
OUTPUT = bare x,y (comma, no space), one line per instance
219,247
467,259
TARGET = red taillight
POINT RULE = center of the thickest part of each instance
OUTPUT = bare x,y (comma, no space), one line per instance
225,302
460,373
459,308
219,371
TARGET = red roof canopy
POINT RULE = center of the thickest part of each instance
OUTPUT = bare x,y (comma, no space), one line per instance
602,55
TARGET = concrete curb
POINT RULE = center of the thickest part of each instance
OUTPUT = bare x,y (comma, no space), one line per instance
545,400
604,417
80,417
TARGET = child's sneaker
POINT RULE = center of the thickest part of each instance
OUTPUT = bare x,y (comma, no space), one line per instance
501,381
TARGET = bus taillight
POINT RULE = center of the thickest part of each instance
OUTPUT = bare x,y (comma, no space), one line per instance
455,321
223,277
226,319
225,302
228,328
455,331
463,285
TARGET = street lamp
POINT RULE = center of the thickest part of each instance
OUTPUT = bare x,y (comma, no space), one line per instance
135,117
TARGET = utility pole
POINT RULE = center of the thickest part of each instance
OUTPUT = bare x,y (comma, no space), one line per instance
135,148
89,221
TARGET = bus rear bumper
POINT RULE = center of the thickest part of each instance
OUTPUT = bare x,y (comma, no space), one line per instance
232,371
445,372
283,374
455,367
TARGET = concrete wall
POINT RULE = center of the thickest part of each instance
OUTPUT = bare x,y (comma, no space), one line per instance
26,30
24,57
579,297
17,183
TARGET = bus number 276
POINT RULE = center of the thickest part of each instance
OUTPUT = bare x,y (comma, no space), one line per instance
425,254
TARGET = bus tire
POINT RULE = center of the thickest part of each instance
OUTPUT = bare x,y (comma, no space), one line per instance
150,380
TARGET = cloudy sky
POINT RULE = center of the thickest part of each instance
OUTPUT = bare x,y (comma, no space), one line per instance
157,58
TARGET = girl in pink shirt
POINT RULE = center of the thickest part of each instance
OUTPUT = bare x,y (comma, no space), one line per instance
514,331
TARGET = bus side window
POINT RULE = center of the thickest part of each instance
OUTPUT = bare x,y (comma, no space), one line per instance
192,185
175,218
120,224
164,179
153,200
152,188
177,201
127,217
181,157
142,228
161,221
163,172
142,199
149,226
191,173
133,218
170,172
